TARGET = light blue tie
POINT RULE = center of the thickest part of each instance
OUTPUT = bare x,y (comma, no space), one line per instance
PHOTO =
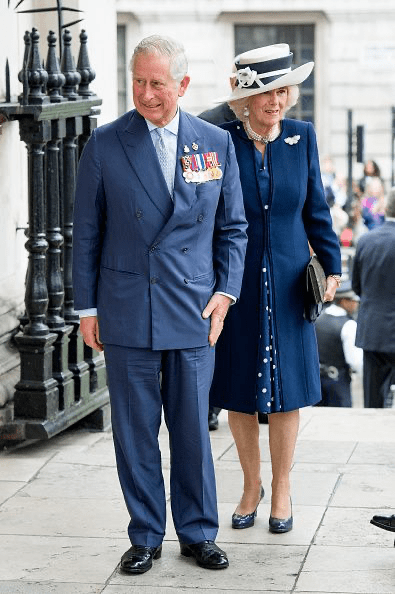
163,157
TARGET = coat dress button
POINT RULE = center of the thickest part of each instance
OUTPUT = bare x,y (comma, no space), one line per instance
139,213
200,218
154,280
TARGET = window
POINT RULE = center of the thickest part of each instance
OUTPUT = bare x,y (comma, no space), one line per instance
121,68
300,39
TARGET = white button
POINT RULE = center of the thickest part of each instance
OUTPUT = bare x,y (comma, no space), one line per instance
259,375
266,207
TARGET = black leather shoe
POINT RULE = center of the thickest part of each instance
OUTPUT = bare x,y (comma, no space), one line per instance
385,522
138,559
206,554
240,521
212,420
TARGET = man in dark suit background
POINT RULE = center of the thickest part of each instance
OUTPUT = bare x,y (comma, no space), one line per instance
159,245
373,280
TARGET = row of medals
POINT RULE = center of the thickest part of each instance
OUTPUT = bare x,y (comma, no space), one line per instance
200,168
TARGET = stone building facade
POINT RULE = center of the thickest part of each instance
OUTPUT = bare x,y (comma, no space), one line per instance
352,44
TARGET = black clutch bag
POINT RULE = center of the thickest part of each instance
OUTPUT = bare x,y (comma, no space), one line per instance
315,289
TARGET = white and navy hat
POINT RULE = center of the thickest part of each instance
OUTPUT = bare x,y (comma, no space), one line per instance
264,69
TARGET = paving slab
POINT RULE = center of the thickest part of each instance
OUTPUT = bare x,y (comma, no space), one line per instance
323,452
374,453
58,559
262,567
352,424
75,480
94,518
8,489
118,589
17,468
48,588
365,490
352,570
351,527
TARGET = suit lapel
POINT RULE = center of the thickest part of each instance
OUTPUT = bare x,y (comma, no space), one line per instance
185,193
140,151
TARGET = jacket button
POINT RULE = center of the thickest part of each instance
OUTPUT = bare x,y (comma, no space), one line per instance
152,248
186,281
154,280
185,250
139,213
200,218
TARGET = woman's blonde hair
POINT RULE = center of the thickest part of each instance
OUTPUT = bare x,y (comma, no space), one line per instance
240,105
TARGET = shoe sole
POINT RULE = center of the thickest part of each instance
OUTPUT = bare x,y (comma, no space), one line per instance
235,527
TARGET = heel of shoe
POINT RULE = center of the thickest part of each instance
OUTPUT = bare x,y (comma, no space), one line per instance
158,553
185,551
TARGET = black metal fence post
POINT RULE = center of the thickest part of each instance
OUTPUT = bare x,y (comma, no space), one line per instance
62,381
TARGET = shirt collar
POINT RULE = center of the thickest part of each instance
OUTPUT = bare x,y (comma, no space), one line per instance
172,126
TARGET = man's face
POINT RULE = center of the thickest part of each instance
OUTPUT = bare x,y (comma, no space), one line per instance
155,92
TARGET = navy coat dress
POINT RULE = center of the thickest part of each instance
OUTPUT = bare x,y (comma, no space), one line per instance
266,356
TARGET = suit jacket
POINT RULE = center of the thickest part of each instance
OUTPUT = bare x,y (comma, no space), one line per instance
218,115
150,264
373,279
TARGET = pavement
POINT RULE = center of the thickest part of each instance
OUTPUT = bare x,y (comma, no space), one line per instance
63,520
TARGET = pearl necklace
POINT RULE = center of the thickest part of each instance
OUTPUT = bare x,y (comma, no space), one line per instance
263,139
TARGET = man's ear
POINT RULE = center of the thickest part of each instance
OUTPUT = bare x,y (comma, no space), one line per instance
183,85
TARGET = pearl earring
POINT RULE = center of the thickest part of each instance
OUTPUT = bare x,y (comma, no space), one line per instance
246,111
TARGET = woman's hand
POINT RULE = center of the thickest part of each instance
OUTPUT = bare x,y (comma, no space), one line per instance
331,286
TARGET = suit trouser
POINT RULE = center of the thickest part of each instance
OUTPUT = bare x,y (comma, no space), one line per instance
137,399
378,369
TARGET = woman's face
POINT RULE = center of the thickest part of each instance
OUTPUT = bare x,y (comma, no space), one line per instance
267,109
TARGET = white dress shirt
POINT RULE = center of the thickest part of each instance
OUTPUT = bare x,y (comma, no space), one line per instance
352,354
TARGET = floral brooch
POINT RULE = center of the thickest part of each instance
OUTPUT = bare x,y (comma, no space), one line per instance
292,139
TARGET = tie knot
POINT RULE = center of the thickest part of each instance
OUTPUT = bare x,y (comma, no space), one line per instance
160,132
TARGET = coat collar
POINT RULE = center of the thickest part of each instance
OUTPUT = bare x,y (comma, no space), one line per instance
137,144
185,194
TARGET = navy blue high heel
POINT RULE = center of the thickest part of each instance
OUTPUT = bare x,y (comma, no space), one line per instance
279,526
240,521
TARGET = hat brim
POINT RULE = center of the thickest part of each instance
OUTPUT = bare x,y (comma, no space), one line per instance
295,77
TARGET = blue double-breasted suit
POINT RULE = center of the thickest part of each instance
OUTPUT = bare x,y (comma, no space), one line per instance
149,262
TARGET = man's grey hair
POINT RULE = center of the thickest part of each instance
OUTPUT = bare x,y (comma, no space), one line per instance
163,46
239,105
390,203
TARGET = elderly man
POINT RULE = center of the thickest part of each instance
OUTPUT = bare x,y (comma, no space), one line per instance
159,245
373,280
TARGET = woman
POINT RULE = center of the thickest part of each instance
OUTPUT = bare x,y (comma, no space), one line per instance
370,171
267,358
373,203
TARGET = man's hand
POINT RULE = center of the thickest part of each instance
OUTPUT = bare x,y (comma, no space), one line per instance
217,308
331,286
89,328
